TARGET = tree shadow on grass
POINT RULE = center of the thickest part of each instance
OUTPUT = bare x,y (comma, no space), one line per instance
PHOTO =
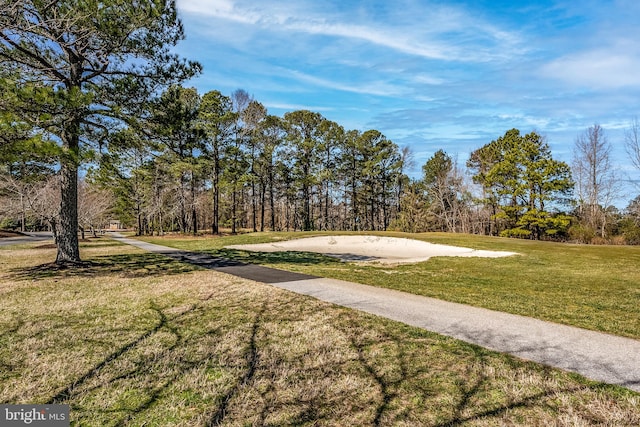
251,357
68,391
470,399
169,263
142,369
388,385
127,265
164,379
266,258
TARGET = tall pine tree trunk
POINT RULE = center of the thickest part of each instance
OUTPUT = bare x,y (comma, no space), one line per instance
306,204
234,218
326,208
67,233
254,207
263,196
215,228
194,213
272,205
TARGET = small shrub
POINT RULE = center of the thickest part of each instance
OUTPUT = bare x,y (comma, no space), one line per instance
632,235
581,234
9,224
619,240
597,240
519,233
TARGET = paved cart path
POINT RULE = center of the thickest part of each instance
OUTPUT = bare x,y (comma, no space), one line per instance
603,357
26,238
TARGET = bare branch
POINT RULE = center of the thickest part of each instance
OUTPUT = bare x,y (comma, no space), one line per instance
48,67
632,143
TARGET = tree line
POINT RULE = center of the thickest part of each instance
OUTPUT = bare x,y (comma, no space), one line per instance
213,161
225,162
94,85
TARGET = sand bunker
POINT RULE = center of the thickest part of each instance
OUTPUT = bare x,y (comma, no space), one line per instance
384,250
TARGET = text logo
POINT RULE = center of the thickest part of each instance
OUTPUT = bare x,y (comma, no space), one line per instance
34,415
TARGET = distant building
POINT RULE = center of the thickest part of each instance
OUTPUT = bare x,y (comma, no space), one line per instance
115,224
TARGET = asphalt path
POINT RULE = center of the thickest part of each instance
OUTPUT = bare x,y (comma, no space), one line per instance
598,356
27,238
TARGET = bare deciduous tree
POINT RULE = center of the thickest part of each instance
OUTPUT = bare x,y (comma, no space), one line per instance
14,200
597,183
93,206
632,143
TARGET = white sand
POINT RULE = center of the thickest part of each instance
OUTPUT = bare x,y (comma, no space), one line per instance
384,250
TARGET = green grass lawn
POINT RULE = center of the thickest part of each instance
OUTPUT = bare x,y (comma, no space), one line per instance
138,339
593,287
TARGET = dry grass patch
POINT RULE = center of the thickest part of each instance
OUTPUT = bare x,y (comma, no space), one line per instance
137,339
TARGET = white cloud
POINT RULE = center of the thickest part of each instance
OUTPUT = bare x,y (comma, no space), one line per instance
428,79
376,88
378,36
424,32
293,107
598,69
207,7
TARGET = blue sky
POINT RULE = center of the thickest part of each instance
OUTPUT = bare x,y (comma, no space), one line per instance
430,74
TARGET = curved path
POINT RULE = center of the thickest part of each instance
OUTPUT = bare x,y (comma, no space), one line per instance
26,238
602,357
